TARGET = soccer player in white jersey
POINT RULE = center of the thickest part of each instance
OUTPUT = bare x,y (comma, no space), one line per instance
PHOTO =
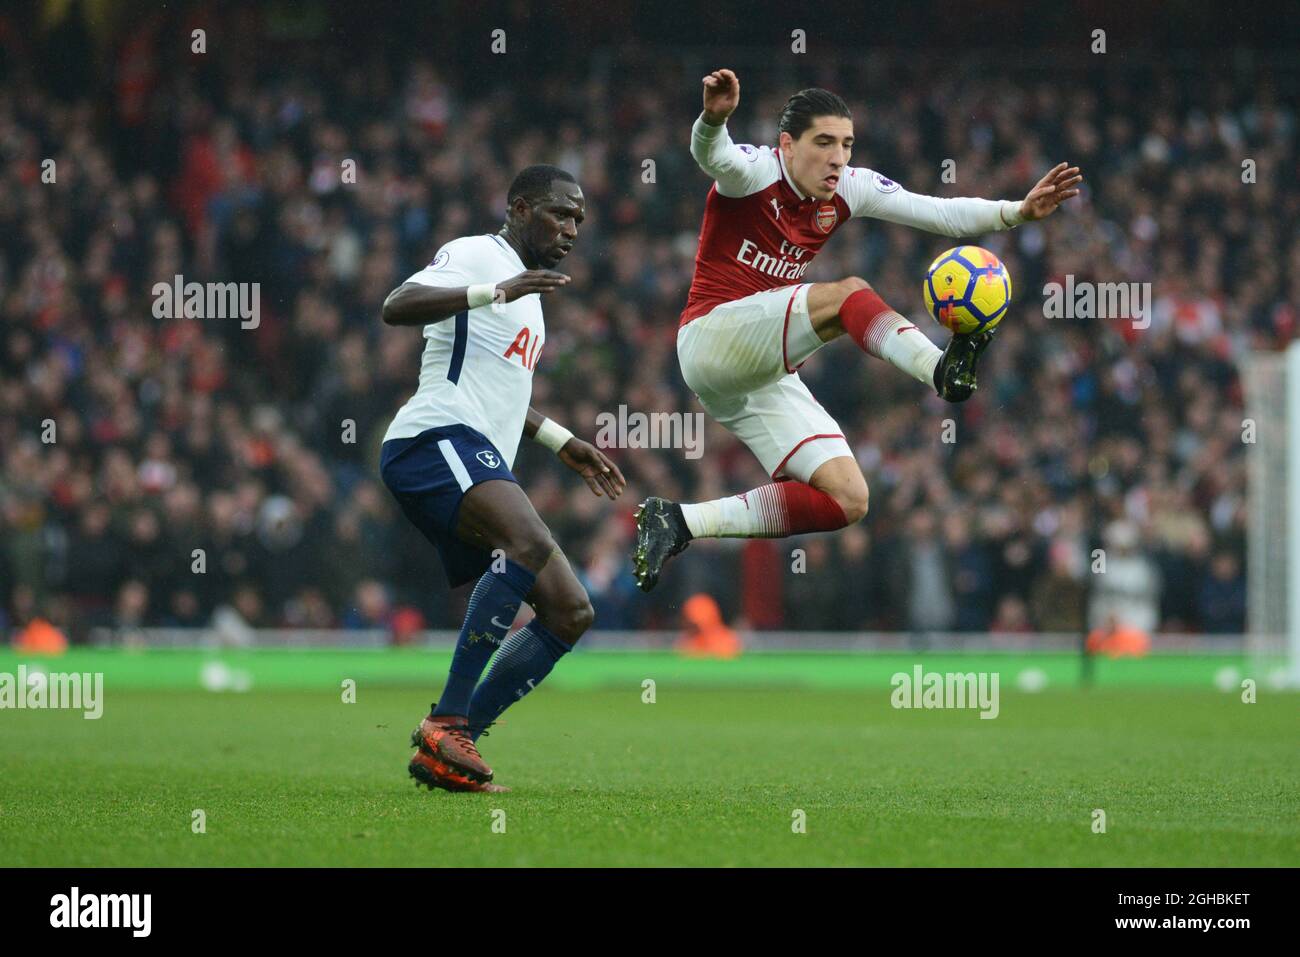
447,459
751,321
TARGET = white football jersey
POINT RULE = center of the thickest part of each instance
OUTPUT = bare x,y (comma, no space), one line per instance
477,368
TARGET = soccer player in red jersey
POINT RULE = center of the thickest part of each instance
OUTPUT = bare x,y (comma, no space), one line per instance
751,321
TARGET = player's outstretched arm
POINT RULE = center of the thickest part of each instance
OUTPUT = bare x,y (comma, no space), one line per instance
736,169
870,194
415,304
418,304
601,475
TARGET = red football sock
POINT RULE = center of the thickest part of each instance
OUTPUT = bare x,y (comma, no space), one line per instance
807,509
769,511
868,319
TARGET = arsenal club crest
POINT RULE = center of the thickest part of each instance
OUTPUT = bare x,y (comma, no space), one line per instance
827,217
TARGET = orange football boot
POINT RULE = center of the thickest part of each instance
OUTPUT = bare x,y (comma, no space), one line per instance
446,757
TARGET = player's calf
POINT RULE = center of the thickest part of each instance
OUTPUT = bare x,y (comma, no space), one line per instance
879,330
526,657
826,299
665,529
842,480
882,332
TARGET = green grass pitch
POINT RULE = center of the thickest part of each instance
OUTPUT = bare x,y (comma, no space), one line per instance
703,776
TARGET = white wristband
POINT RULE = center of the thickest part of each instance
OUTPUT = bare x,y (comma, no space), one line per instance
1010,214
552,435
481,294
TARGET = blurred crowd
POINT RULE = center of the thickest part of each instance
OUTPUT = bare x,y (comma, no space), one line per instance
158,471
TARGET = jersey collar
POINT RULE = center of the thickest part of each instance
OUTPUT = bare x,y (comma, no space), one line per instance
509,249
780,158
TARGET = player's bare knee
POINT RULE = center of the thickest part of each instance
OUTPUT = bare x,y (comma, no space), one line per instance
852,498
845,288
572,619
531,549
583,617
854,501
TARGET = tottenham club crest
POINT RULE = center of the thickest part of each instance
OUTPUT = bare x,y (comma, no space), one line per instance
827,217
488,458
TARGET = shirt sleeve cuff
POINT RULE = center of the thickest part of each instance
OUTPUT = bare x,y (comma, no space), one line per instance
1010,213
706,132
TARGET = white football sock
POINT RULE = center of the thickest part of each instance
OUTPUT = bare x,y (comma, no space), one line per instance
755,514
904,346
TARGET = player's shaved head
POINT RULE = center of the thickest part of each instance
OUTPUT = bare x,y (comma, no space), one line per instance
545,208
805,106
534,183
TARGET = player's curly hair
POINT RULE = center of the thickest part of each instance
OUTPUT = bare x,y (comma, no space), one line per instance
533,183
805,106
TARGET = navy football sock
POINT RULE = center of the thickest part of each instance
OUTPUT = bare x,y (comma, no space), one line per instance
524,660
491,611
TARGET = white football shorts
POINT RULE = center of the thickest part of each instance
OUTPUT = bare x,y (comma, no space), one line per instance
741,358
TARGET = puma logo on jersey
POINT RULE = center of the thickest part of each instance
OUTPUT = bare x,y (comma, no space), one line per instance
776,208
902,329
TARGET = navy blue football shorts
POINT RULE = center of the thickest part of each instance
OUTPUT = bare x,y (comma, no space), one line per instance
429,476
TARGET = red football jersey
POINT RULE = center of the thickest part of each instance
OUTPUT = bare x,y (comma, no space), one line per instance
759,241
761,232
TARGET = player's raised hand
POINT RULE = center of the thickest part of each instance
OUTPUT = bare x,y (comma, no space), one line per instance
1052,190
602,475
721,96
539,281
